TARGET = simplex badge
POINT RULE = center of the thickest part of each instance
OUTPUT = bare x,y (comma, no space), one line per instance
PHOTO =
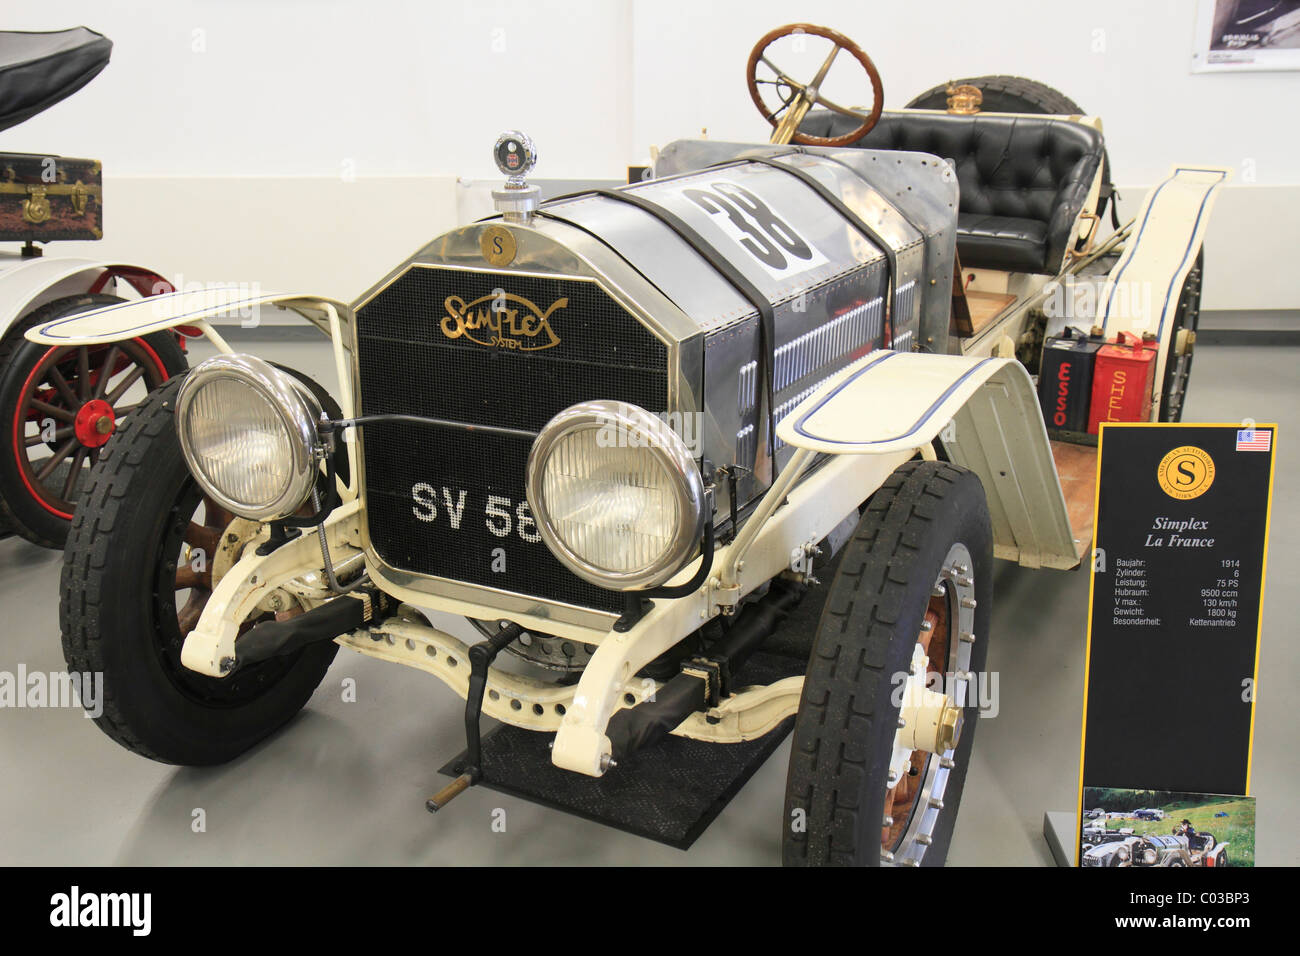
502,320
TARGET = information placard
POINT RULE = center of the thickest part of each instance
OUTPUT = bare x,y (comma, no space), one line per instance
1174,610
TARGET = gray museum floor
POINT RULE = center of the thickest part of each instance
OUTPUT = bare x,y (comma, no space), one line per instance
345,782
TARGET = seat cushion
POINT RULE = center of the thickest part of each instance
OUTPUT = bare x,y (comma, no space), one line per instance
1001,242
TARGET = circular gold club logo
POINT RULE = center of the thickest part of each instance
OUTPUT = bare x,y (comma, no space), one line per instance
1185,473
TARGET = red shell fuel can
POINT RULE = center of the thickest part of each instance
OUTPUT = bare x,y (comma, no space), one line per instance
1122,381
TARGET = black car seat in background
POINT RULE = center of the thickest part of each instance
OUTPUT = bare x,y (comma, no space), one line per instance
1023,179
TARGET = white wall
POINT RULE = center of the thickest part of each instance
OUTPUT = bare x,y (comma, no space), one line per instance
328,87
398,98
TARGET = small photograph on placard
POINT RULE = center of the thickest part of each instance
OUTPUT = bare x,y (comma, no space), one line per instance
1153,828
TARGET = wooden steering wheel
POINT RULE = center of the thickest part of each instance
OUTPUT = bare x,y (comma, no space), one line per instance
786,119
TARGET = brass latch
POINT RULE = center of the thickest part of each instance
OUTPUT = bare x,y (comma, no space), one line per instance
36,208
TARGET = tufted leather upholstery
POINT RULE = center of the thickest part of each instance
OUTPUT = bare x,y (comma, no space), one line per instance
1024,179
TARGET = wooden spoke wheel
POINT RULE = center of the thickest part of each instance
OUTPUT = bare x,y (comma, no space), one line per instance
72,403
61,407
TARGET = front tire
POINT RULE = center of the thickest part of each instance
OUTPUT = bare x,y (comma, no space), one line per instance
128,601
896,575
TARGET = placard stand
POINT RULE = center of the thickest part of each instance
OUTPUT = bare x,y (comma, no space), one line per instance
1061,832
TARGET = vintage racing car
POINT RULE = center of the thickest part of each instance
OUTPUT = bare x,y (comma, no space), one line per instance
1173,850
622,432
59,405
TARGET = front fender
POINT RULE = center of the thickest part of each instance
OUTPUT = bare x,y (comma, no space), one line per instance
984,411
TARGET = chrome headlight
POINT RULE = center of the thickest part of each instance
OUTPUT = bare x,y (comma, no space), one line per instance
616,494
249,435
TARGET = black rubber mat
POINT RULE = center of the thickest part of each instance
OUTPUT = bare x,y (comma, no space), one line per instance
669,792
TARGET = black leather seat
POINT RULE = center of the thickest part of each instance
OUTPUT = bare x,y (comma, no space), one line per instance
39,69
1023,179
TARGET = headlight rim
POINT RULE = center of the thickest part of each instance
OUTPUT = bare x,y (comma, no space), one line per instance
298,411
682,470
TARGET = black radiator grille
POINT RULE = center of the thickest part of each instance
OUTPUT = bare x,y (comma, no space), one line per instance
589,348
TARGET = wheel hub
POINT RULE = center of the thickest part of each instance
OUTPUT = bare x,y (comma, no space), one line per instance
95,423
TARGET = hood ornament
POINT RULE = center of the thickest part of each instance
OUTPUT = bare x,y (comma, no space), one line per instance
515,156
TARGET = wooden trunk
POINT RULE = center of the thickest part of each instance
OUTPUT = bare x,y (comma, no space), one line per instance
50,197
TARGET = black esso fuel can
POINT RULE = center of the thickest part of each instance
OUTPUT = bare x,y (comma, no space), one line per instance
1065,380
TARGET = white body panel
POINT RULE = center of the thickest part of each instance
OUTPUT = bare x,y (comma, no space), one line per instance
1141,293
985,412
27,284
142,316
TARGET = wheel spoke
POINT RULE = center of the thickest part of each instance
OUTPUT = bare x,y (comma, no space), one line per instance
187,578
187,618
83,372
62,414
70,485
106,372
836,108
781,74
201,536
215,516
826,67
59,435
62,452
64,389
120,389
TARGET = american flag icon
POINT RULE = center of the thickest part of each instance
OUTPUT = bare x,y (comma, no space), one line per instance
1254,439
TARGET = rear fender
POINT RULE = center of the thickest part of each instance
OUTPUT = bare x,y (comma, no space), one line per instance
985,413
31,283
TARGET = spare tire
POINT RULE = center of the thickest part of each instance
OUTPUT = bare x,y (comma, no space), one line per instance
1002,94
1016,94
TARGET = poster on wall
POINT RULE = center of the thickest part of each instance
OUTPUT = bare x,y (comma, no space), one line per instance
1247,35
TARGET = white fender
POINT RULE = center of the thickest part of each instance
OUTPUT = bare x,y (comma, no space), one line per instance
30,283
142,316
1141,293
985,412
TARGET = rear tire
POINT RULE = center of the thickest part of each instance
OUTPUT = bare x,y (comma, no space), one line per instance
118,612
1178,369
837,790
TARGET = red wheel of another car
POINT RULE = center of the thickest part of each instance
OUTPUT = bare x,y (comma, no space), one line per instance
60,406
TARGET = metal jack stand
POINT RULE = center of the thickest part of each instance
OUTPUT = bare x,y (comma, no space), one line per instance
481,656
